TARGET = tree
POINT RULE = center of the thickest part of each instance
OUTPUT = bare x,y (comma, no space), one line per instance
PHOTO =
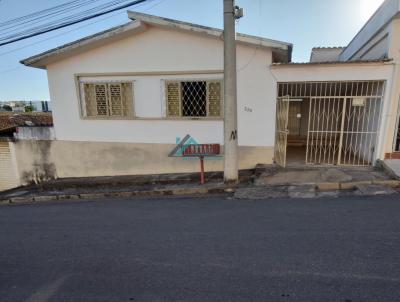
29,108
7,107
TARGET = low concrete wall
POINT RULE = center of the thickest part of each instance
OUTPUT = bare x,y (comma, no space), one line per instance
35,133
44,160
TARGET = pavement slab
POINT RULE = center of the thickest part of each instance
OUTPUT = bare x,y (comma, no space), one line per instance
306,191
374,189
264,192
312,175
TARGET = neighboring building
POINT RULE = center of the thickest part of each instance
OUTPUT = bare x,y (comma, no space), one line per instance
325,54
123,97
20,106
370,107
16,125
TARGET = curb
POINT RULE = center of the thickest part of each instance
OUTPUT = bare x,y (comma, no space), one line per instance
330,186
123,194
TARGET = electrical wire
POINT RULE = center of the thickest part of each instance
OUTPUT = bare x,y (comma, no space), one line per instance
67,18
37,13
39,18
11,69
77,28
67,23
58,35
64,33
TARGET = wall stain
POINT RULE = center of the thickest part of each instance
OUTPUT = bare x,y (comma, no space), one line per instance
42,169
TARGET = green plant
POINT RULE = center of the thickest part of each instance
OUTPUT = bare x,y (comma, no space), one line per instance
29,108
7,107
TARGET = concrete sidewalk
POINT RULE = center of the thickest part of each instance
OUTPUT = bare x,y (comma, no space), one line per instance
310,182
121,187
265,181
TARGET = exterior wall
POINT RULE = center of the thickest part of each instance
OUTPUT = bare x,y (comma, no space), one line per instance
43,160
88,147
183,55
34,133
350,72
382,42
377,47
325,54
378,21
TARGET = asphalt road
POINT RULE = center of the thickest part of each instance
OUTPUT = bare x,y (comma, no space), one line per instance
202,249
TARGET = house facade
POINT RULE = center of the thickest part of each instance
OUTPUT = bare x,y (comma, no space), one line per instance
123,98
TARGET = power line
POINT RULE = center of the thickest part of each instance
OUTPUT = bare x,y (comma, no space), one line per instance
70,18
58,35
64,33
37,13
68,23
77,28
11,69
39,17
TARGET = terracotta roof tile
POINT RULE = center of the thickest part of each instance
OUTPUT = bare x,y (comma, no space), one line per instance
10,120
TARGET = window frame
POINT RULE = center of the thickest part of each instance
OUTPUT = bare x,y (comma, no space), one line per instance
82,100
181,117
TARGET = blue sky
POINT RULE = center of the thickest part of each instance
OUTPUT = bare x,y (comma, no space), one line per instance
305,23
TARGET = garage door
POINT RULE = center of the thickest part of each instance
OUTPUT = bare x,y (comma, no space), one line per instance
8,177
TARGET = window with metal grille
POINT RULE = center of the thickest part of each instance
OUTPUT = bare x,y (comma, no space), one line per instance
108,100
196,99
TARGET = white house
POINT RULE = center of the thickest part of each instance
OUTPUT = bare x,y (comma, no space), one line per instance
122,99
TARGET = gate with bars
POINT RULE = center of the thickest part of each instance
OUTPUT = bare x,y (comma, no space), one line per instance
343,121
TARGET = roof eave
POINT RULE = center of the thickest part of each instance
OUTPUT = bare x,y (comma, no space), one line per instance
43,59
210,31
336,63
140,20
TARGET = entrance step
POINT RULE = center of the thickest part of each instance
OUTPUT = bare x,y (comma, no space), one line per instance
392,167
293,177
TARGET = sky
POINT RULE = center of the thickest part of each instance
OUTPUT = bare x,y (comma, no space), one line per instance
304,23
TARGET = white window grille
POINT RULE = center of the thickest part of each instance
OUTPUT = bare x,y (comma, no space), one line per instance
108,100
194,99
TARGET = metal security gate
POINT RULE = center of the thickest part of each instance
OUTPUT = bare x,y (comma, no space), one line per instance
343,120
342,131
281,130
324,130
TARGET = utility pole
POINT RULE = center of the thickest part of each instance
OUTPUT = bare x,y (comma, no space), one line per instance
231,13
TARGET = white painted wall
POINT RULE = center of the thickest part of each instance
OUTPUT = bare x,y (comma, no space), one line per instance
34,133
332,72
160,52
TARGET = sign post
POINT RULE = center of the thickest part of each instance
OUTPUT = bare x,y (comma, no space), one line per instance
201,151
188,147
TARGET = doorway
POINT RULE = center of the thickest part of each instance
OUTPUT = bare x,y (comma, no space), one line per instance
328,123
